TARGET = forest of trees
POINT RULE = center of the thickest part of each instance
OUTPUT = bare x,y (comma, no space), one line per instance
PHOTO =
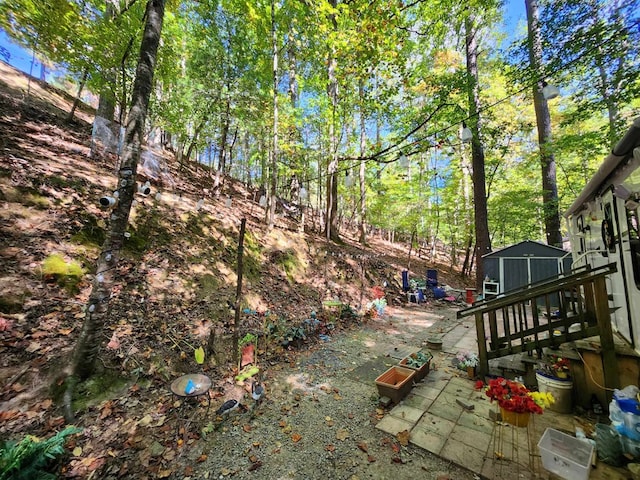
376,91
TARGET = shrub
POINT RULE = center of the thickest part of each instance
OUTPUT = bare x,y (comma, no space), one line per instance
32,457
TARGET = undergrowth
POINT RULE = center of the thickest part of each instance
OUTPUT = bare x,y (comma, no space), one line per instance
32,458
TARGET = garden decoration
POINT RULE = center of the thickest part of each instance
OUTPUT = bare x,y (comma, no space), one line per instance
257,391
228,407
376,307
468,361
555,366
516,401
247,366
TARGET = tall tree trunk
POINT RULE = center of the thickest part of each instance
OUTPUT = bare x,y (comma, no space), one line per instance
88,343
293,74
271,204
331,222
234,138
76,101
543,119
468,219
222,161
362,226
483,242
102,135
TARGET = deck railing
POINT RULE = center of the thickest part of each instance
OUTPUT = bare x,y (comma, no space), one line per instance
547,314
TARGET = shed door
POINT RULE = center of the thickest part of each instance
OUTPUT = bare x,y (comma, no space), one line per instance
543,268
515,273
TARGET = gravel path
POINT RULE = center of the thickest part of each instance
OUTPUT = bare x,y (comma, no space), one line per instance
318,418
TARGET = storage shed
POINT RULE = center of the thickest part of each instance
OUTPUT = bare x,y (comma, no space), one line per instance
522,264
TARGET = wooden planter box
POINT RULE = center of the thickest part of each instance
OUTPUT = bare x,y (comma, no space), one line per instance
421,372
395,383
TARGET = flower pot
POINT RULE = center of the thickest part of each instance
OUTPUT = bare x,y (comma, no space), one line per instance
517,419
471,372
395,383
561,389
421,372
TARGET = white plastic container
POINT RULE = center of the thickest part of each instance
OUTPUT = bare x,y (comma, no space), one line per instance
564,455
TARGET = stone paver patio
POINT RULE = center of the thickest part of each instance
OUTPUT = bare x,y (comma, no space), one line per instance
437,422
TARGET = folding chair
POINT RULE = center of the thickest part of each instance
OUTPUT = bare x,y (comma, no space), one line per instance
405,281
432,278
432,290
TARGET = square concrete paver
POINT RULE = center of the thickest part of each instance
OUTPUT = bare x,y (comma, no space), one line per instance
462,454
430,441
436,376
433,424
458,390
470,437
405,412
400,352
482,406
393,425
418,401
445,406
463,382
426,391
476,422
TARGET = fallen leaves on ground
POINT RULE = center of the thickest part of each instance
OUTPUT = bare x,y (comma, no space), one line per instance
403,437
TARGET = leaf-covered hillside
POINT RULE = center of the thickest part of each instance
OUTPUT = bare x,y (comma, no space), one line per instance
175,281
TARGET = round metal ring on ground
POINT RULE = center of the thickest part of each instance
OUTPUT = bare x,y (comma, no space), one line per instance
201,382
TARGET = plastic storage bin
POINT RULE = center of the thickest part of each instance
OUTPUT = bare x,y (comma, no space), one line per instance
564,455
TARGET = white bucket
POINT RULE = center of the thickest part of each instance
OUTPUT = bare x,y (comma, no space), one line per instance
561,389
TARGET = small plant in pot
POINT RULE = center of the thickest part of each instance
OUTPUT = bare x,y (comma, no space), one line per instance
418,359
555,366
467,361
419,362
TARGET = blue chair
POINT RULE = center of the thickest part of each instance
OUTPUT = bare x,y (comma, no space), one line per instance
405,281
432,278
432,285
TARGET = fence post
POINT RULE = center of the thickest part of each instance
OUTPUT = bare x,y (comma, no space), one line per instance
482,346
603,316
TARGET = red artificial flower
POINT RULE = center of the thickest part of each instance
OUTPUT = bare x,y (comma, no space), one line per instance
510,395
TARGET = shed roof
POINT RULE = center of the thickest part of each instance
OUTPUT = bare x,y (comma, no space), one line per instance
528,248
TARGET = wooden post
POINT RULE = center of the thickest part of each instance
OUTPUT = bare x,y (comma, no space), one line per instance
483,363
493,330
589,302
609,361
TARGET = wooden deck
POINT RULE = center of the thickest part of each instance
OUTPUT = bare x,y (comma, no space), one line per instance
547,314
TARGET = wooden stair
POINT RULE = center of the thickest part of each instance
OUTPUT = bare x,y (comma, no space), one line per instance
547,314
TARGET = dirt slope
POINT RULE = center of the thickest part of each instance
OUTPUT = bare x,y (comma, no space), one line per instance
177,276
